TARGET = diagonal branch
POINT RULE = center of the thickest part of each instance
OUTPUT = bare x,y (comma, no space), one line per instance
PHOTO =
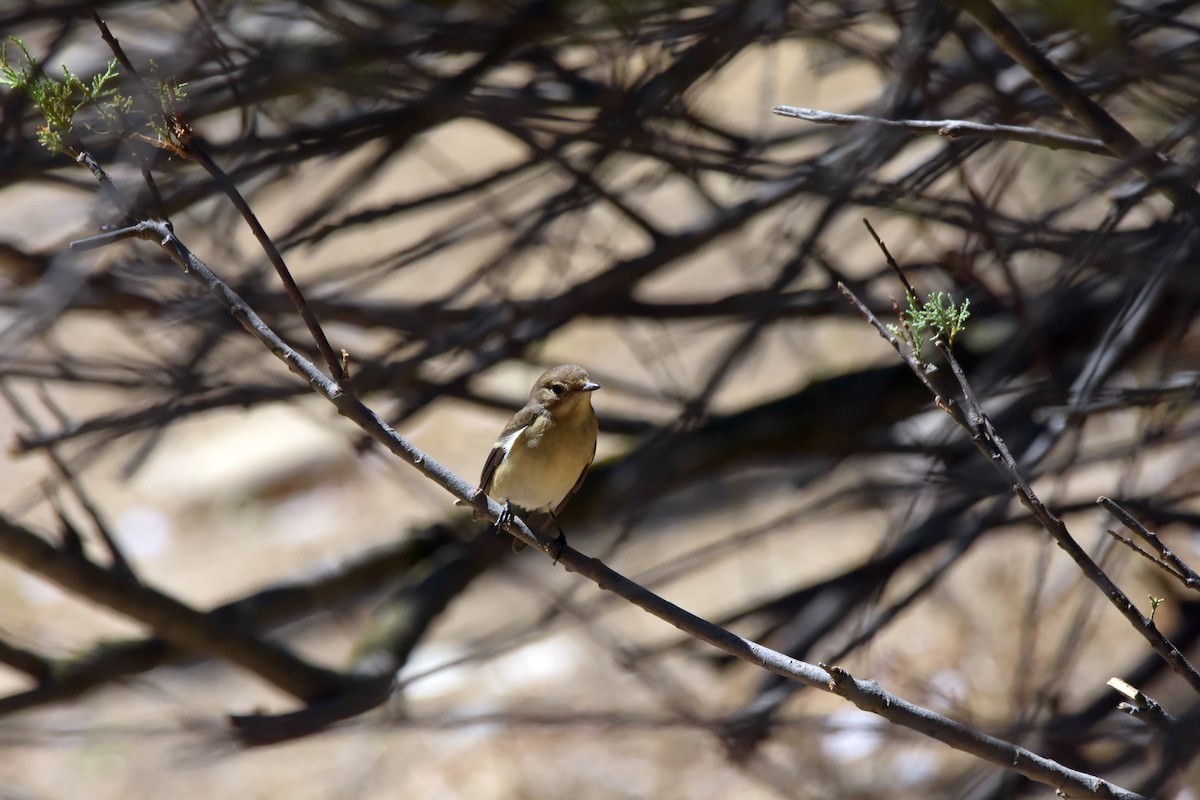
1167,176
171,619
194,150
867,695
1167,559
969,415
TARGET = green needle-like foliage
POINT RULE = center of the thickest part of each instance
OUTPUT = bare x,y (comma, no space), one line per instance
60,101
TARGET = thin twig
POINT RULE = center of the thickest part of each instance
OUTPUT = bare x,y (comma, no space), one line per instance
1142,706
1174,564
118,562
331,357
1153,559
193,148
1164,174
891,262
84,158
955,129
901,347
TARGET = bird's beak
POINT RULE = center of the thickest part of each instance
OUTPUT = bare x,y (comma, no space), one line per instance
590,386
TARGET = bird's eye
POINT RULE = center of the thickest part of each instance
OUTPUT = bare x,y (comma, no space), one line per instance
558,389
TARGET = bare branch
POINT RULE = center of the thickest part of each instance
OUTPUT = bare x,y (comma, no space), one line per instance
1163,174
167,617
1167,559
955,129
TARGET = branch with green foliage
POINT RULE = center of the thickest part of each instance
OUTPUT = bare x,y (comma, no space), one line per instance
61,101
939,315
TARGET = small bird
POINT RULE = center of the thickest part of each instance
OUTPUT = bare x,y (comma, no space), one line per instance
544,452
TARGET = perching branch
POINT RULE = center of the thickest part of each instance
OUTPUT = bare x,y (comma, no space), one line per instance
865,694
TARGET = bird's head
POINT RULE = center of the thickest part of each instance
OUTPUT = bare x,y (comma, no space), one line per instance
564,385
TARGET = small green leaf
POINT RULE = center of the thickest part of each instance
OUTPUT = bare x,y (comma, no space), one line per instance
939,315
1155,602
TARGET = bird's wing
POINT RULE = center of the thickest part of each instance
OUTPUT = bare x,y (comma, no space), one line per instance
562,503
496,455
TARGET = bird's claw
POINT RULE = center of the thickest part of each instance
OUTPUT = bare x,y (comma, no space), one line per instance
505,518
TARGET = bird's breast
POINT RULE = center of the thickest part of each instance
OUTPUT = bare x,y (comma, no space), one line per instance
544,461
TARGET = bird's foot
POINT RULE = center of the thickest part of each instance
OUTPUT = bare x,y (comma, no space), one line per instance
502,521
506,517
